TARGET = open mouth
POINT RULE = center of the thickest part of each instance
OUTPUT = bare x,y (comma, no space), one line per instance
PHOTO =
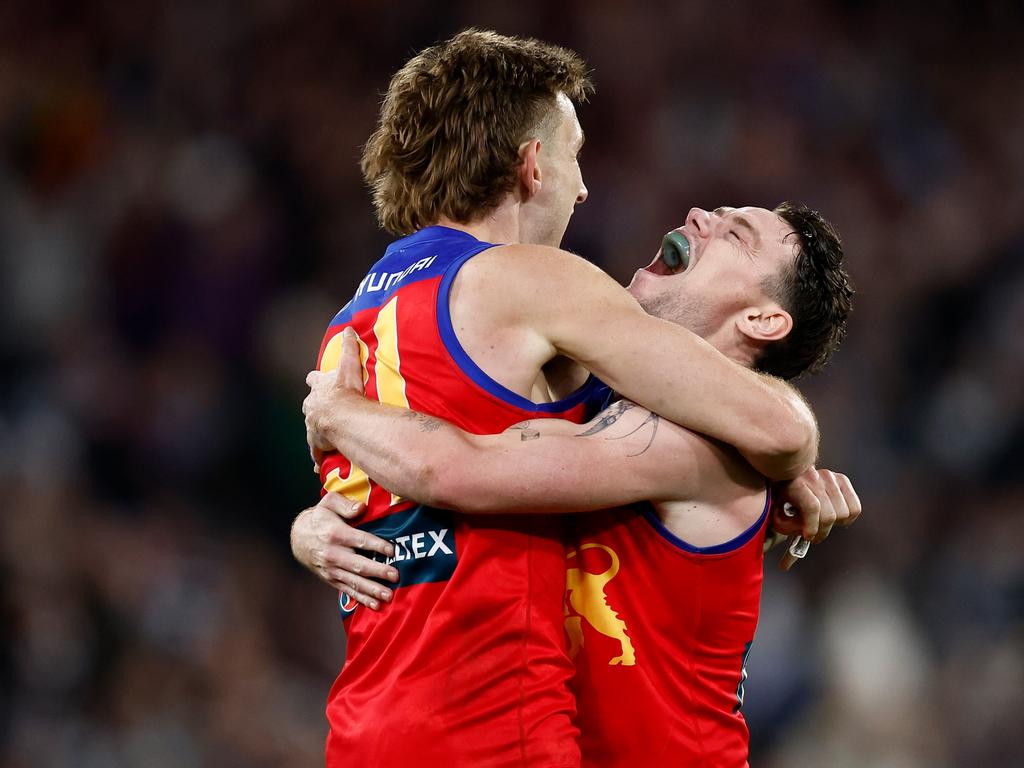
674,255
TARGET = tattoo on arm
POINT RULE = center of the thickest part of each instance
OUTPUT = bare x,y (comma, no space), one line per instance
615,412
427,423
525,432
607,417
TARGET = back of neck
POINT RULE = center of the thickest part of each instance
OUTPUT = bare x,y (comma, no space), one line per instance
498,226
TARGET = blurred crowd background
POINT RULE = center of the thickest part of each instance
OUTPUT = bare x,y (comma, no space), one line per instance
181,213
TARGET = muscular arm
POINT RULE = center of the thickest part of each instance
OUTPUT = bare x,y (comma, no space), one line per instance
564,305
625,454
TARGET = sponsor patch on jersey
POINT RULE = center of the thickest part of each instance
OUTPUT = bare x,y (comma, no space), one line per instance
346,604
424,540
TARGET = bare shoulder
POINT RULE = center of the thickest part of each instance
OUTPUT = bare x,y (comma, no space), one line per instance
532,253
535,267
557,295
498,303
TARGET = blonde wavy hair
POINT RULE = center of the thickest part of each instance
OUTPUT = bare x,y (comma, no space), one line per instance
447,142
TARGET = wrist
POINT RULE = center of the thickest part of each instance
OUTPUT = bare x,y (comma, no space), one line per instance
344,404
297,537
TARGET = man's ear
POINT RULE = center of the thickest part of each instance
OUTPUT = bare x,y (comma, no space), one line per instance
764,324
529,168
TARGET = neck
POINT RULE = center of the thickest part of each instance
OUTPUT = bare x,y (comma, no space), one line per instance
499,226
744,354
736,346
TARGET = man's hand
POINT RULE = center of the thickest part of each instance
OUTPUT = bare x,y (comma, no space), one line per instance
326,544
327,393
821,499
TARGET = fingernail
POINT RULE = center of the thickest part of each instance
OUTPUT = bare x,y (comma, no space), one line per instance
384,595
799,548
374,605
393,574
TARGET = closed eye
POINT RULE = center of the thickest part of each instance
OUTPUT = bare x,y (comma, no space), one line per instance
744,245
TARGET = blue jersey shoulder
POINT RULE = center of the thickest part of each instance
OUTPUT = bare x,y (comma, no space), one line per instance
420,256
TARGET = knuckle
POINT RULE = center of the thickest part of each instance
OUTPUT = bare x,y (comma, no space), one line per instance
336,537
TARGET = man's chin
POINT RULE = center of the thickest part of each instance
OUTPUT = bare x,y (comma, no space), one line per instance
637,286
551,237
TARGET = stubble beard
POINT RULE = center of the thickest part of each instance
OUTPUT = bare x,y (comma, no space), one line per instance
691,312
546,230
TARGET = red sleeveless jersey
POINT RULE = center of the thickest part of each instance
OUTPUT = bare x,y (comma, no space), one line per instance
660,631
467,665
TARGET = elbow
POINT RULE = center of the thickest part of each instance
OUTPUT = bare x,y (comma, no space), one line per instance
792,444
446,490
429,483
441,481
800,444
454,489
455,479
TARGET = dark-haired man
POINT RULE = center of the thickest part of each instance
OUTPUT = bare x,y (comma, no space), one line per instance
476,316
661,597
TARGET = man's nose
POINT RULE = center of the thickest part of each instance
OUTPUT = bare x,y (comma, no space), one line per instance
582,196
700,221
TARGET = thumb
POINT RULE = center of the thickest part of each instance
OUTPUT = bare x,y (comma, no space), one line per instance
352,510
350,366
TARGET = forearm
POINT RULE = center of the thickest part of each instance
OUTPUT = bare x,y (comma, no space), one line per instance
682,377
553,466
655,363
402,450
303,538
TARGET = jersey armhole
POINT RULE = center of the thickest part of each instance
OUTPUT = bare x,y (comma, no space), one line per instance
472,370
733,544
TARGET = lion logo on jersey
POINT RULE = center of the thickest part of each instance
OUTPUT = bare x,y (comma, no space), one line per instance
585,596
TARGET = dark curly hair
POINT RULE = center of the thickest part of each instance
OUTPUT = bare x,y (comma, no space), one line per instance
447,142
815,290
